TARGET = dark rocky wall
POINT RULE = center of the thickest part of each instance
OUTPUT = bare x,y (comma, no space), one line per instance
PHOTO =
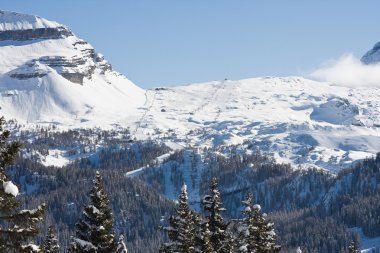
40,33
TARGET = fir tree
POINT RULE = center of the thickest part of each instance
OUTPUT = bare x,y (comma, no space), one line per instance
17,228
205,239
183,228
353,248
121,247
221,240
94,231
256,233
50,244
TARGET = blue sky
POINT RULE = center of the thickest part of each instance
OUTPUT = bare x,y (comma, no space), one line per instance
172,42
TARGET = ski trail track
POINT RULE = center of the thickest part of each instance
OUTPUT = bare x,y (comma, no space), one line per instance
148,107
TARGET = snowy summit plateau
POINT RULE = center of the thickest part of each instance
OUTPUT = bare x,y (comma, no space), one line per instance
49,76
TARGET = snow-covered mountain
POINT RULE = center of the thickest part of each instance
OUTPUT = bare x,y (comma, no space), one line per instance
373,55
48,75
297,120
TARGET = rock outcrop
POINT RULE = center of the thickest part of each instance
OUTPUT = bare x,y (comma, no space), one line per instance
39,33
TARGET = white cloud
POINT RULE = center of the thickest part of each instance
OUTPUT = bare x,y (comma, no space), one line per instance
349,71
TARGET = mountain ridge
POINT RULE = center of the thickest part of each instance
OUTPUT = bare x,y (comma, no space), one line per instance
62,80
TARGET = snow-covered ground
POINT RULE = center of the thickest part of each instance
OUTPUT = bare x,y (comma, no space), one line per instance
138,171
297,120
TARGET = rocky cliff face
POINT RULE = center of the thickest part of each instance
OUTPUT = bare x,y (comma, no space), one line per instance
27,29
39,33
75,68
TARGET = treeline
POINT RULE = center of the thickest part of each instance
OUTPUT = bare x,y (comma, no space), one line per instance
189,232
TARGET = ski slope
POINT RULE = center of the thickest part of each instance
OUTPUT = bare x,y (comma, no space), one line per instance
297,120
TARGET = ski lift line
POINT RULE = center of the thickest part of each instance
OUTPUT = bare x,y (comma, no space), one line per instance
149,108
212,98
217,116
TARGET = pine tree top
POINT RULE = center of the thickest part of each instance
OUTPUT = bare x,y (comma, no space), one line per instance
353,248
51,244
95,228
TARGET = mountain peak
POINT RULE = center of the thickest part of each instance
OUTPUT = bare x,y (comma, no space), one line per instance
17,21
47,74
373,55
22,27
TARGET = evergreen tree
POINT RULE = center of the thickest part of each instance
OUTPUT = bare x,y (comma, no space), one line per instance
51,244
221,239
94,231
182,231
205,239
121,247
256,234
17,228
353,248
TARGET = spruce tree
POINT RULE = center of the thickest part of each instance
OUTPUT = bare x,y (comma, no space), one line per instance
353,248
205,239
256,233
220,238
17,228
94,232
121,247
51,244
182,231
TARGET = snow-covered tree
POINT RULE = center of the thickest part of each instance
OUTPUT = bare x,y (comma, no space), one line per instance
51,244
205,239
182,231
353,248
256,234
221,239
17,227
121,247
94,232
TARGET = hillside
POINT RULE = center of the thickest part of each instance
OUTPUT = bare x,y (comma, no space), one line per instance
296,120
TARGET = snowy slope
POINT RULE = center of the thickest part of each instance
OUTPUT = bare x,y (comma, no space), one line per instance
295,119
19,21
47,74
